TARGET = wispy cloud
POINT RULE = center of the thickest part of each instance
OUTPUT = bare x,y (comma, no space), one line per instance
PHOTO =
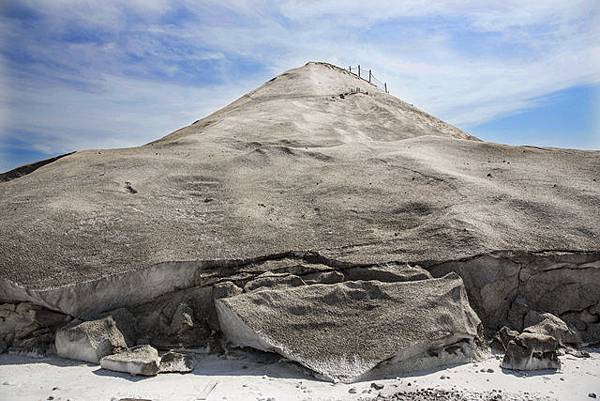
118,73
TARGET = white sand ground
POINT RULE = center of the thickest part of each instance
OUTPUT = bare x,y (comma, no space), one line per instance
251,377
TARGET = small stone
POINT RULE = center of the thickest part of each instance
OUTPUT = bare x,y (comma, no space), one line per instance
592,395
177,362
490,370
352,390
140,360
377,386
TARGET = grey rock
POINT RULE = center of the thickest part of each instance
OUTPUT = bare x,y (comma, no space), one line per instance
530,351
504,287
176,320
89,341
177,362
503,337
140,360
354,326
29,329
548,324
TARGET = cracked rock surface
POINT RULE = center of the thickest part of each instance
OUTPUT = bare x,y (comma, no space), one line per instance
342,331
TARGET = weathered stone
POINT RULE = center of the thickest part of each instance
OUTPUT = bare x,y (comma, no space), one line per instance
548,324
177,362
505,286
89,341
503,337
389,273
140,360
531,351
342,331
36,344
273,281
176,320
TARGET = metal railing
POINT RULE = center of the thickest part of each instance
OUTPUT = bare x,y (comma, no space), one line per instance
367,75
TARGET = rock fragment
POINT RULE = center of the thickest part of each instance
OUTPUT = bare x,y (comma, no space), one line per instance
177,362
140,360
530,351
548,324
89,341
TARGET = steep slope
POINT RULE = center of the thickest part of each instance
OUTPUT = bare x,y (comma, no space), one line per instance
314,160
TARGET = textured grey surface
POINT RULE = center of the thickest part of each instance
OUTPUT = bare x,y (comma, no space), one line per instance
342,331
293,166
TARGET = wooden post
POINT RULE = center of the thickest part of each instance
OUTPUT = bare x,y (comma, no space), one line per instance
350,68
359,70
385,86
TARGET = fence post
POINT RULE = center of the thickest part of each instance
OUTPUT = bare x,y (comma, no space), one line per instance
350,68
369,76
359,70
385,86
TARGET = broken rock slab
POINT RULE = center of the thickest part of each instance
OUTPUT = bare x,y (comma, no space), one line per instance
342,331
141,360
177,362
89,341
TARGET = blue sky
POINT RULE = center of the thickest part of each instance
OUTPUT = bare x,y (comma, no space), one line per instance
76,75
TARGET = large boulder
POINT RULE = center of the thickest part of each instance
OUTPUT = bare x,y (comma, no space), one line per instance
550,325
89,341
531,351
342,331
141,360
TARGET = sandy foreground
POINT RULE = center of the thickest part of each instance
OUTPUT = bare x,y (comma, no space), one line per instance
247,376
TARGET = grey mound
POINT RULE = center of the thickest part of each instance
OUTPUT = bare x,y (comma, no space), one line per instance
295,167
342,331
